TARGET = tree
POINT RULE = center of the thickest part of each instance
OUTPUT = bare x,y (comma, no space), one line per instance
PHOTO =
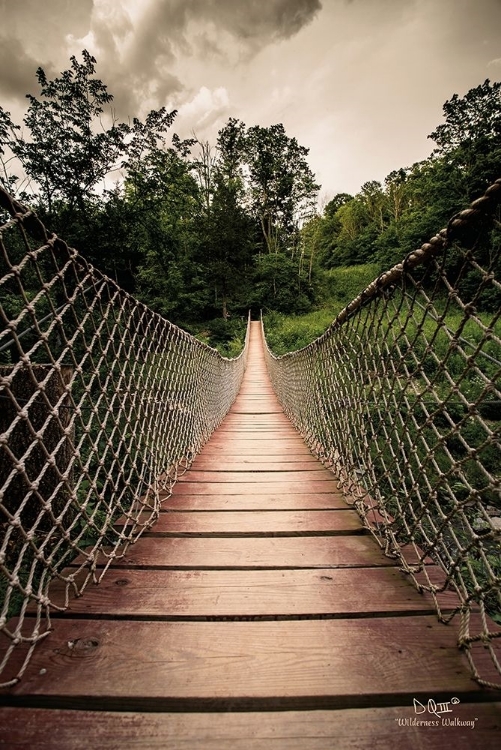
231,144
227,245
69,151
70,144
476,116
397,193
374,201
281,284
7,133
282,186
335,203
165,198
470,138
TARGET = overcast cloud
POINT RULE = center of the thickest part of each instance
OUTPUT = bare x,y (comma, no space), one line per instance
361,83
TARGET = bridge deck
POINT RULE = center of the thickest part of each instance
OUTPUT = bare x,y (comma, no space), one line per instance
257,613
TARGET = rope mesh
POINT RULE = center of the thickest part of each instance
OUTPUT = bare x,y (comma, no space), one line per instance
102,404
401,398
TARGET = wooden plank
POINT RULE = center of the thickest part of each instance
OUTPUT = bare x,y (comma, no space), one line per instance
252,422
262,427
188,487
256,523
254,448
260,413
255,391
287,459
256,463
250,593
258,406
267,401
273,501
357,729
319,474
303,664
256,433
257,553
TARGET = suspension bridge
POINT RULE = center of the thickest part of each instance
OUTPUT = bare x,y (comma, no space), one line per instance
295,552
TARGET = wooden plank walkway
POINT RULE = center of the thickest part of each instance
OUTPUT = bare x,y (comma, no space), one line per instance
256,614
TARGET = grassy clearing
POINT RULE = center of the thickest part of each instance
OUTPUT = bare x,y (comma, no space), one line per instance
286,333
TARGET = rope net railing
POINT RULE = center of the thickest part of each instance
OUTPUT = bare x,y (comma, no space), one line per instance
102,404
401,398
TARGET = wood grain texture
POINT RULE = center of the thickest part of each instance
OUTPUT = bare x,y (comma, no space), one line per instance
250,593
357,729
272,502
255,448
259,523
256,464
253,488
259,476
303,664
271,552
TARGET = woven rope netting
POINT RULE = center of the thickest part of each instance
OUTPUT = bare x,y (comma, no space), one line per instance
401,397
102,404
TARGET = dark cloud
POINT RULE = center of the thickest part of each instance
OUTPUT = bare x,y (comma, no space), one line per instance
276,19
170,29
31,35
17,70
137,59
47,17
245,19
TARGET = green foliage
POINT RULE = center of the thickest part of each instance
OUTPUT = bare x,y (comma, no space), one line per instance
225,335
290,332
215,234
383,223
287,333
69,151
471,120
281,185
281,283
346,282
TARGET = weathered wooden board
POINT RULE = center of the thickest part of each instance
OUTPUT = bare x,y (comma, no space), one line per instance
272,502
216,456
273,433
257,475
257,407
262,552
298,664
261,447
259,523
256,394
259,414
257,425
253,422
357,729
249,593
254,488
256,463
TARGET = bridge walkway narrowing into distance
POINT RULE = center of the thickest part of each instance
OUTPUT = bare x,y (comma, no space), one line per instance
257,613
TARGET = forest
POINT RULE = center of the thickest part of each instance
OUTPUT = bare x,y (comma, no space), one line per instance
202,232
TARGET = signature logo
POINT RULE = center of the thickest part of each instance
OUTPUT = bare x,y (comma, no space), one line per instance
434,714
437,709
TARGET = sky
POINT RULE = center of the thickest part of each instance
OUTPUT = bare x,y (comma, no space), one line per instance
360,83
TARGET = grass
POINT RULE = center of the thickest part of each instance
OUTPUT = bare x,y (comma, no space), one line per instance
286,333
